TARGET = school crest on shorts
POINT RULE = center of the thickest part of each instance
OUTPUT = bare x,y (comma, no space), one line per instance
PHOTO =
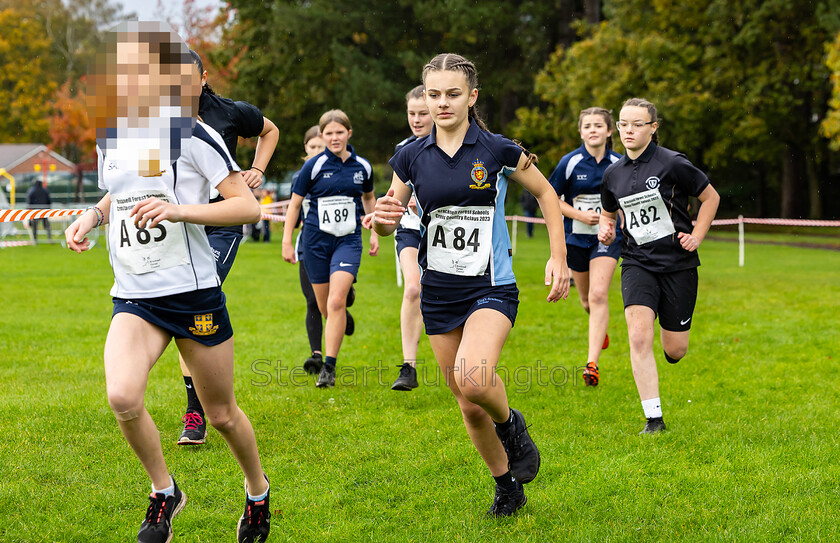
203,325
479,176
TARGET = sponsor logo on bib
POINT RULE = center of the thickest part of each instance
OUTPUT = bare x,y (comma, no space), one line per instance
479,176
203,325
652,182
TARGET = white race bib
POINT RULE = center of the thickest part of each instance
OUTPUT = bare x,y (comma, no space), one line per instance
337,215
142,250
459,240
586,202
410,220
646,216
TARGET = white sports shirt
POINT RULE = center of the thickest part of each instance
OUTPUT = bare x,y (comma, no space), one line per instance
170,258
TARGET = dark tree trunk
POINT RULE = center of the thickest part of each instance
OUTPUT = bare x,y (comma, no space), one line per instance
592,8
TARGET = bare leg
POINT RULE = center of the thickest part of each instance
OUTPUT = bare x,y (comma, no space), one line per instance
131,350
601,271
640,332
674,343
212,369
411,320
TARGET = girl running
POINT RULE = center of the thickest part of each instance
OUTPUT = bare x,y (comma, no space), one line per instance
459,176
339,185
577,180
651,186
407,238
165,280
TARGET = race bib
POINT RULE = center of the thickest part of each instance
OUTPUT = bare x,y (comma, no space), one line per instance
646,216
459,240
586,202
410,220
337,215
146,250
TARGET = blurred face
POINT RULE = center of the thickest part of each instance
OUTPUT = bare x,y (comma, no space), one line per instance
419,118
335,137
449,98
314,146
594,131
635,128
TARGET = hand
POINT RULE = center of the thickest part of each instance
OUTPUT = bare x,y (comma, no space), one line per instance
76,233
252,178
590,217
374,244
388,210
557,275
151,211
606,234
289,252
688,242
367,221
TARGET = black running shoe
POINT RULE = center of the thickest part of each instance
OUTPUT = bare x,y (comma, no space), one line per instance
653,426
157,526
255,522
313,364
523,455
195,429
351,296
506,503
326,378
407,379
350,327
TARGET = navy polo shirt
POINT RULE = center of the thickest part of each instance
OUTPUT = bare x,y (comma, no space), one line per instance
676,179
326,175
476,176
579,173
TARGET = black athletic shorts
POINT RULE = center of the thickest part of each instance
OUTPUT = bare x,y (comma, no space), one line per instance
577,258
671,295
446,308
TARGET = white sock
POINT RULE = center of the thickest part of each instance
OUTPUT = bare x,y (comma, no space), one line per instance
258,498
653,408
168,491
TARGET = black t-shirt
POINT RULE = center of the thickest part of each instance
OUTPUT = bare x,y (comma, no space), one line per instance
652,192
232,120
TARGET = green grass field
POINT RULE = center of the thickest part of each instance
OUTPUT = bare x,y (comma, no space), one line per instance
751,453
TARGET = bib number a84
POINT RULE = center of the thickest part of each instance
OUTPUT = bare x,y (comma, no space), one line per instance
459,240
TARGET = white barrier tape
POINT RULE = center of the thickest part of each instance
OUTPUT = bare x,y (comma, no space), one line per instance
281,204
22,243
16,215
721,222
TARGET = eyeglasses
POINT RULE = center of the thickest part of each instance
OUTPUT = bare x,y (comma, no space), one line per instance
624,125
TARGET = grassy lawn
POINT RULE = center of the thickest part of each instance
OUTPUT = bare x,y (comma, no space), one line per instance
751,452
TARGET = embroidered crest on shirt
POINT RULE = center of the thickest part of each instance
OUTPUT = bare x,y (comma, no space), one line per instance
479,176
358,178
652,182
204,325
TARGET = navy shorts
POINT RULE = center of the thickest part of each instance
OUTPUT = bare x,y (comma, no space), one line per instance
446,308
407,237
199,315
325,254
578,258
671,295
224,244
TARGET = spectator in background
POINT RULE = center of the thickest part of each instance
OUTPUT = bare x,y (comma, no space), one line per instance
529,207
38,197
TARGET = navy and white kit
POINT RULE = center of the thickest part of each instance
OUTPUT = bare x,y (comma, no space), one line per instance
652,193
465,252
332,229
166,274
408,231
577,178
231,120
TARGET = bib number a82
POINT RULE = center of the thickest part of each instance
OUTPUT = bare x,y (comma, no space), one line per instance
646,216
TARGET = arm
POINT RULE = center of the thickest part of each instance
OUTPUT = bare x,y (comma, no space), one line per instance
390,208
266,144
238,207
709,200
76,232
606,222
589,217
556,269
368,203
292,214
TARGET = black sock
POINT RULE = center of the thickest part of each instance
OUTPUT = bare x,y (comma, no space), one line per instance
330,361
669,359
504,426
506,481
192,398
